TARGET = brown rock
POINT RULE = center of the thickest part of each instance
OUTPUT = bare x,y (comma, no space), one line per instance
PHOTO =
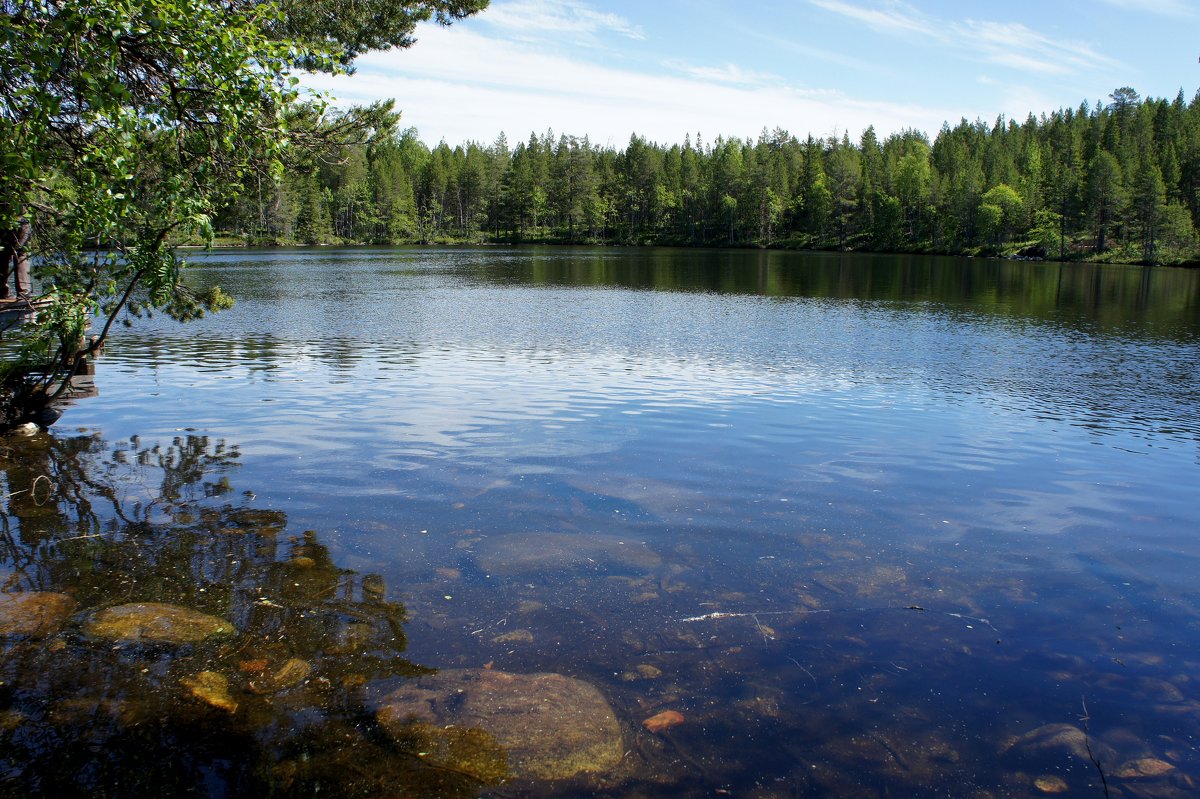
1143,767
11,719
514,637
156,622
548,726
211,688
1062,737
34,613
1051,784
289,675
663,721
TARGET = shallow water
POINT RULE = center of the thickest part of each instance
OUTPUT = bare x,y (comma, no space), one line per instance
870,525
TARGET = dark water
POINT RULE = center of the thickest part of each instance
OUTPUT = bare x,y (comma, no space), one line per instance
873,526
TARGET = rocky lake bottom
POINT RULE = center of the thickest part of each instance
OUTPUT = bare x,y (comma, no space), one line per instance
556,531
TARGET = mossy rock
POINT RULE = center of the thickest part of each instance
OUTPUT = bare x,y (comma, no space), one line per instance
549,726
156,622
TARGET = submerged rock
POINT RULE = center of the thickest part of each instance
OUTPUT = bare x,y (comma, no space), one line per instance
1063,737
549,726
524,553
521,636
11,719
660,722
1143,767
212,689
289,675
155,622
34,613
1049,783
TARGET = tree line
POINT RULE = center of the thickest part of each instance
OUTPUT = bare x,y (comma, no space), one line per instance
1117,180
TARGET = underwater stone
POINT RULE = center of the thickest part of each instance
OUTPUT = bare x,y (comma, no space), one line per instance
550,726
289,675
212,689
661,722
1049,783
524,553
34,613
1143,767
155,622
521,636
1063,737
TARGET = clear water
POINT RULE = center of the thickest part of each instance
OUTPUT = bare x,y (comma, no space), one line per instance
902,513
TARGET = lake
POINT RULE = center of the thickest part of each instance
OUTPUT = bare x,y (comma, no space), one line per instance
624,523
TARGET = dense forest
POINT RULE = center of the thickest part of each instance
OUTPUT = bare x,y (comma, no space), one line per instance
1117,180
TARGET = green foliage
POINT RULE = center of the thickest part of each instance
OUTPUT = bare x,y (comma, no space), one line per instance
127,125
1001,211
1069,184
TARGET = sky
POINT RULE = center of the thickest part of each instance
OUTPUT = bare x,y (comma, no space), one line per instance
663,69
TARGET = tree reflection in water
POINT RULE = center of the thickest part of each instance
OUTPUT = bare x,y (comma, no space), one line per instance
82,715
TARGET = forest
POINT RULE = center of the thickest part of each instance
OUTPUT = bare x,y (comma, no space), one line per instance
1117,180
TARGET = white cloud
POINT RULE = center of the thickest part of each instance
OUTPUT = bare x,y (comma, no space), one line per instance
1008,44
1018,102
1169,8
727,73
1018,46
526,18
460,85
891,17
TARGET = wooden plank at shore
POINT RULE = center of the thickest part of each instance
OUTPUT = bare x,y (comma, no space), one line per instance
14,310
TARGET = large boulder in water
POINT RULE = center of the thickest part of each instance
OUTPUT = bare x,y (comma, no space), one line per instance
155,622
34,613
528,553
547,726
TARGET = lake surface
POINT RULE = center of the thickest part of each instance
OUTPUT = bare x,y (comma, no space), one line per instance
862,526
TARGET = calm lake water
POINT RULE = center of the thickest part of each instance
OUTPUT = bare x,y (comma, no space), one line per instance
861,526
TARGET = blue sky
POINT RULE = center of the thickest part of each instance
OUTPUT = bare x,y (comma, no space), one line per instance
666,68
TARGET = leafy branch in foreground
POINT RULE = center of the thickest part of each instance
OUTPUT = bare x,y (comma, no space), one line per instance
126,124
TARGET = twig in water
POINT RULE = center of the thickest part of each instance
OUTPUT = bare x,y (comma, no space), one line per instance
33,490
724,614
1087,743
816,684
761,630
